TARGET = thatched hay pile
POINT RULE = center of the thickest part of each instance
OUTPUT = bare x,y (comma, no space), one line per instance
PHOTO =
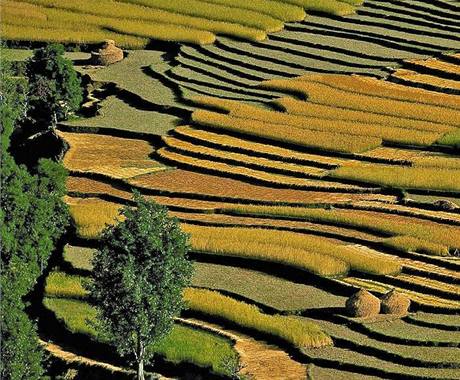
107,55
395,303
363,304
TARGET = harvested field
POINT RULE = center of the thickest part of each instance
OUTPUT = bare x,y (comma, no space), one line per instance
391,352
193,183
237,158
115,114
263,288
256,175
110,156
250,147
417,297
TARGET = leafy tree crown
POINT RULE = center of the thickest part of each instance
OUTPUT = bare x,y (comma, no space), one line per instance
139,275
54,87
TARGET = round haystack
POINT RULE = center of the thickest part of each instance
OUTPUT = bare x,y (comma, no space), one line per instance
363,304
395,303
444,204
107,55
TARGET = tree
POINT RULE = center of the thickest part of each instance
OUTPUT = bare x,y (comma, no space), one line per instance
54,88
140,271
32,218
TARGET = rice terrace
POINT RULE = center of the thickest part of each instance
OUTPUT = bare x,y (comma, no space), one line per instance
308,149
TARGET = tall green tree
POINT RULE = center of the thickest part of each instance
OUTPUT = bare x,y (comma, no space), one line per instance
54,88
139,275
32,218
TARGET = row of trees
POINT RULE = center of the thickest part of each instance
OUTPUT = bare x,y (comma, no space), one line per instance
32,213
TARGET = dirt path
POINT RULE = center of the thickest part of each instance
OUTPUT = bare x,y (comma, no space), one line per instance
259,360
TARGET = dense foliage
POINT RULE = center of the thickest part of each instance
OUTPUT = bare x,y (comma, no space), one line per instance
32,218
54,87
139,275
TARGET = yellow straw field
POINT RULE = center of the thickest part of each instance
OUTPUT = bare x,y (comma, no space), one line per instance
328,141
91,215
262,163
112,156
136,21
431,235
235,143
295,331
383,89
433,178
320,255
325,94
248,173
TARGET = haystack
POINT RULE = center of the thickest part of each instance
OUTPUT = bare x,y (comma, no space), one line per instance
363,304
395,303
444,204
107,55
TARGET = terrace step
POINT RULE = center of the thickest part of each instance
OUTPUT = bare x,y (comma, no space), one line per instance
258,359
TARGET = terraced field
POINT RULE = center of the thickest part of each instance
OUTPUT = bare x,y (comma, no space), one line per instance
305,166
134,22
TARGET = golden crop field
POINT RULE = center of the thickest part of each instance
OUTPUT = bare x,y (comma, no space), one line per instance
91,215
322,140
299,107
364,130
235,143
325,94
133,22
358,84
429,235
112,156
430,80
262,163
295,331
277,246
434,178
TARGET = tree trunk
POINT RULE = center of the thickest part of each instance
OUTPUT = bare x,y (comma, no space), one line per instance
140,359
